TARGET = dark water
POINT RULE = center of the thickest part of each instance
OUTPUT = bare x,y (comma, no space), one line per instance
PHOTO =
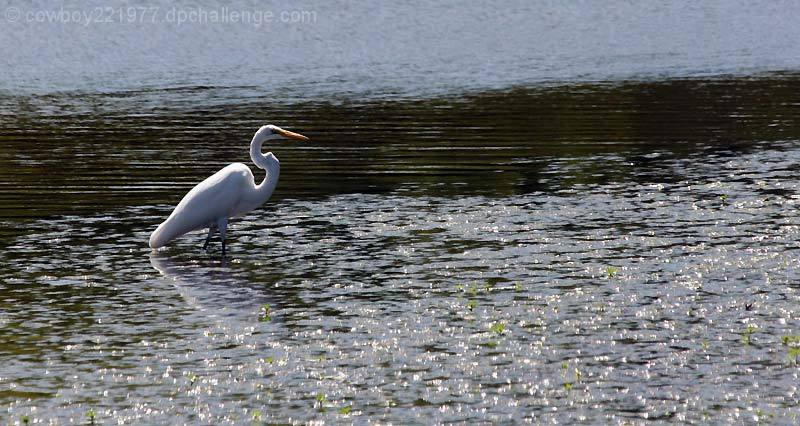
567,221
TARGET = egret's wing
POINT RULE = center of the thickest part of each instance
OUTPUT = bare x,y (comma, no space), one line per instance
212,199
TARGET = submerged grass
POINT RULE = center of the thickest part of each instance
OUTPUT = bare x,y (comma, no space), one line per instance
748,333
497,328
569,379
264,313
791,340
321,402
793,350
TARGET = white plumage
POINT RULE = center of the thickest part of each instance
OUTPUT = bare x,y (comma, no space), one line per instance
228,193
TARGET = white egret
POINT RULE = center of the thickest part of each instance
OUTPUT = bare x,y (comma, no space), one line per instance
228,193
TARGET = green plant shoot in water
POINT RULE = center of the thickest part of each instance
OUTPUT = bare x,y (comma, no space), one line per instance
322,399
497,328
264,315
747,333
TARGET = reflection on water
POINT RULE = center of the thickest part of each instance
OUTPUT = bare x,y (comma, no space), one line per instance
212,287
55,160
603,253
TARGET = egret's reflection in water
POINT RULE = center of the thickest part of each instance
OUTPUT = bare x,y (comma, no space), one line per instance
211,286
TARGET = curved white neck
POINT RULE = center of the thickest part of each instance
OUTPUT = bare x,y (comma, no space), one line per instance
267,162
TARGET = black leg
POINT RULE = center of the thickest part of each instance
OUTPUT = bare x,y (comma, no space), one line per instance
208,238
222,227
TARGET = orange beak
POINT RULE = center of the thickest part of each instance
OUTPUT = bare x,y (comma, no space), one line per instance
291,135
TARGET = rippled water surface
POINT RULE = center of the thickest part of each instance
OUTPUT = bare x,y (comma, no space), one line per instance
357,49
526,211
594,252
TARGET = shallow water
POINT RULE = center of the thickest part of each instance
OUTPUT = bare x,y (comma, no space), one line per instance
506,212
593,253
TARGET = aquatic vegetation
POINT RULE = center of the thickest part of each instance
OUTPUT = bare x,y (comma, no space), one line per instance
192,377
791,339
793,343
257,415
569,382
472,304
346,409
518,287
748,333
611,271
322,400
497,328
794,353
91,415
25,420
269,359
264,314
762,417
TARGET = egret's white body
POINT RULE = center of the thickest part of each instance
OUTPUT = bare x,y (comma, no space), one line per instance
228,193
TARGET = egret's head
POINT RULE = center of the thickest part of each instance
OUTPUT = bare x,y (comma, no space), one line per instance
271,131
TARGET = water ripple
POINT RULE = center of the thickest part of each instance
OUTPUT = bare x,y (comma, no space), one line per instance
627,301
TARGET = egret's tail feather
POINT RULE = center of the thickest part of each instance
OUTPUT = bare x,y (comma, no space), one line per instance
165,233
157,237
172,228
